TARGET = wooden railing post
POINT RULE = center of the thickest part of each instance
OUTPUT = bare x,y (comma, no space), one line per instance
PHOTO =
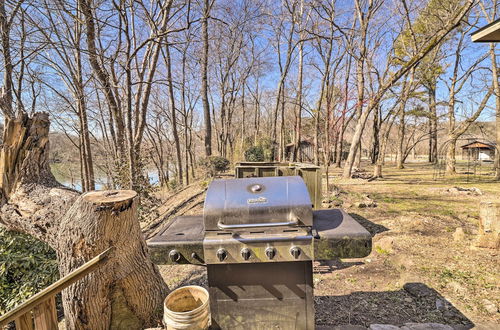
45,315
24,322
39,312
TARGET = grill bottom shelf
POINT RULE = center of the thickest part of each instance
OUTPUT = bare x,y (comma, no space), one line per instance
261,296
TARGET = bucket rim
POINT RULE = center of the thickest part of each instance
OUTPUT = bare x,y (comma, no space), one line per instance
197,309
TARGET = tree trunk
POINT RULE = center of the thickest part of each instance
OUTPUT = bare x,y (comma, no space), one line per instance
450,156
433,153
358,155
256,121
281,145
103,77
298,113
376,142
361,116
127,292
24,154
401,137
341,146
204,80
173,113
353,149
6,93
317,119
496,87
316,137
377,169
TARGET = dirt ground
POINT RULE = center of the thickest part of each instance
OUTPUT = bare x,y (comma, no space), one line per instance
422,269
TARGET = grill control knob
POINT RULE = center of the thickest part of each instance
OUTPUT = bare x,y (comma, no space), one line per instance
270,253
174,256
245,253
295,252
221,254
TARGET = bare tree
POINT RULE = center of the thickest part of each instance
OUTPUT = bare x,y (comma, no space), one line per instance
457,82
490,11
452,17
204,77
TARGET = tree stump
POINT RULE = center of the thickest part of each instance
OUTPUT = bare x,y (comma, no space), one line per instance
127,292
489,225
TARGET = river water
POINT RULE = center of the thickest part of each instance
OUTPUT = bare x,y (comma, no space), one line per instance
100,183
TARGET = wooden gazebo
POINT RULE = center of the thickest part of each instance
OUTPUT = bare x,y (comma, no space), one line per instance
478,150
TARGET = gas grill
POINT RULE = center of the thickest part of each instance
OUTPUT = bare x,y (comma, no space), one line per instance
258,238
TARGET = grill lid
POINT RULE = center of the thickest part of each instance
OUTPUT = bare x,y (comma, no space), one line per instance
239,204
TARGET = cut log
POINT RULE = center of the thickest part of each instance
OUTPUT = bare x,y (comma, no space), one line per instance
127,292
489,225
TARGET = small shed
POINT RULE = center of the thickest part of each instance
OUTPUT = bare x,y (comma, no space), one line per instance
478,150
306,151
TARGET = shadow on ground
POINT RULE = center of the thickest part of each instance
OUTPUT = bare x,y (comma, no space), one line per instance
416,303
328,266
372,227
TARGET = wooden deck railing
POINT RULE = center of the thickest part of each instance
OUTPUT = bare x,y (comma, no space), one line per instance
39,311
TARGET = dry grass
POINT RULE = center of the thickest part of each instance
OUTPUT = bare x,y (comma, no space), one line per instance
413,228
417,245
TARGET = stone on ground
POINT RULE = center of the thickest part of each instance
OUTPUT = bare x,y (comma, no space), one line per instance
459,234
386,243
426,326
383,327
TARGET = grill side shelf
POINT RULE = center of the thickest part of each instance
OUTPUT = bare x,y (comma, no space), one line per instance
339,236
185,235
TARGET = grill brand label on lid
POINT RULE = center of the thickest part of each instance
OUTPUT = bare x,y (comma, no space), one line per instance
259,200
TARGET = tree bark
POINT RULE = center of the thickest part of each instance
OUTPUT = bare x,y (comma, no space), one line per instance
298,112
377,169
24,155
204,80
401,137
128,291
496,87
103,76
6,98
376,142
450,155
433,153
173,112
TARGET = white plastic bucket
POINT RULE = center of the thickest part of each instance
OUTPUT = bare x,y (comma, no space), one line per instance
187,308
